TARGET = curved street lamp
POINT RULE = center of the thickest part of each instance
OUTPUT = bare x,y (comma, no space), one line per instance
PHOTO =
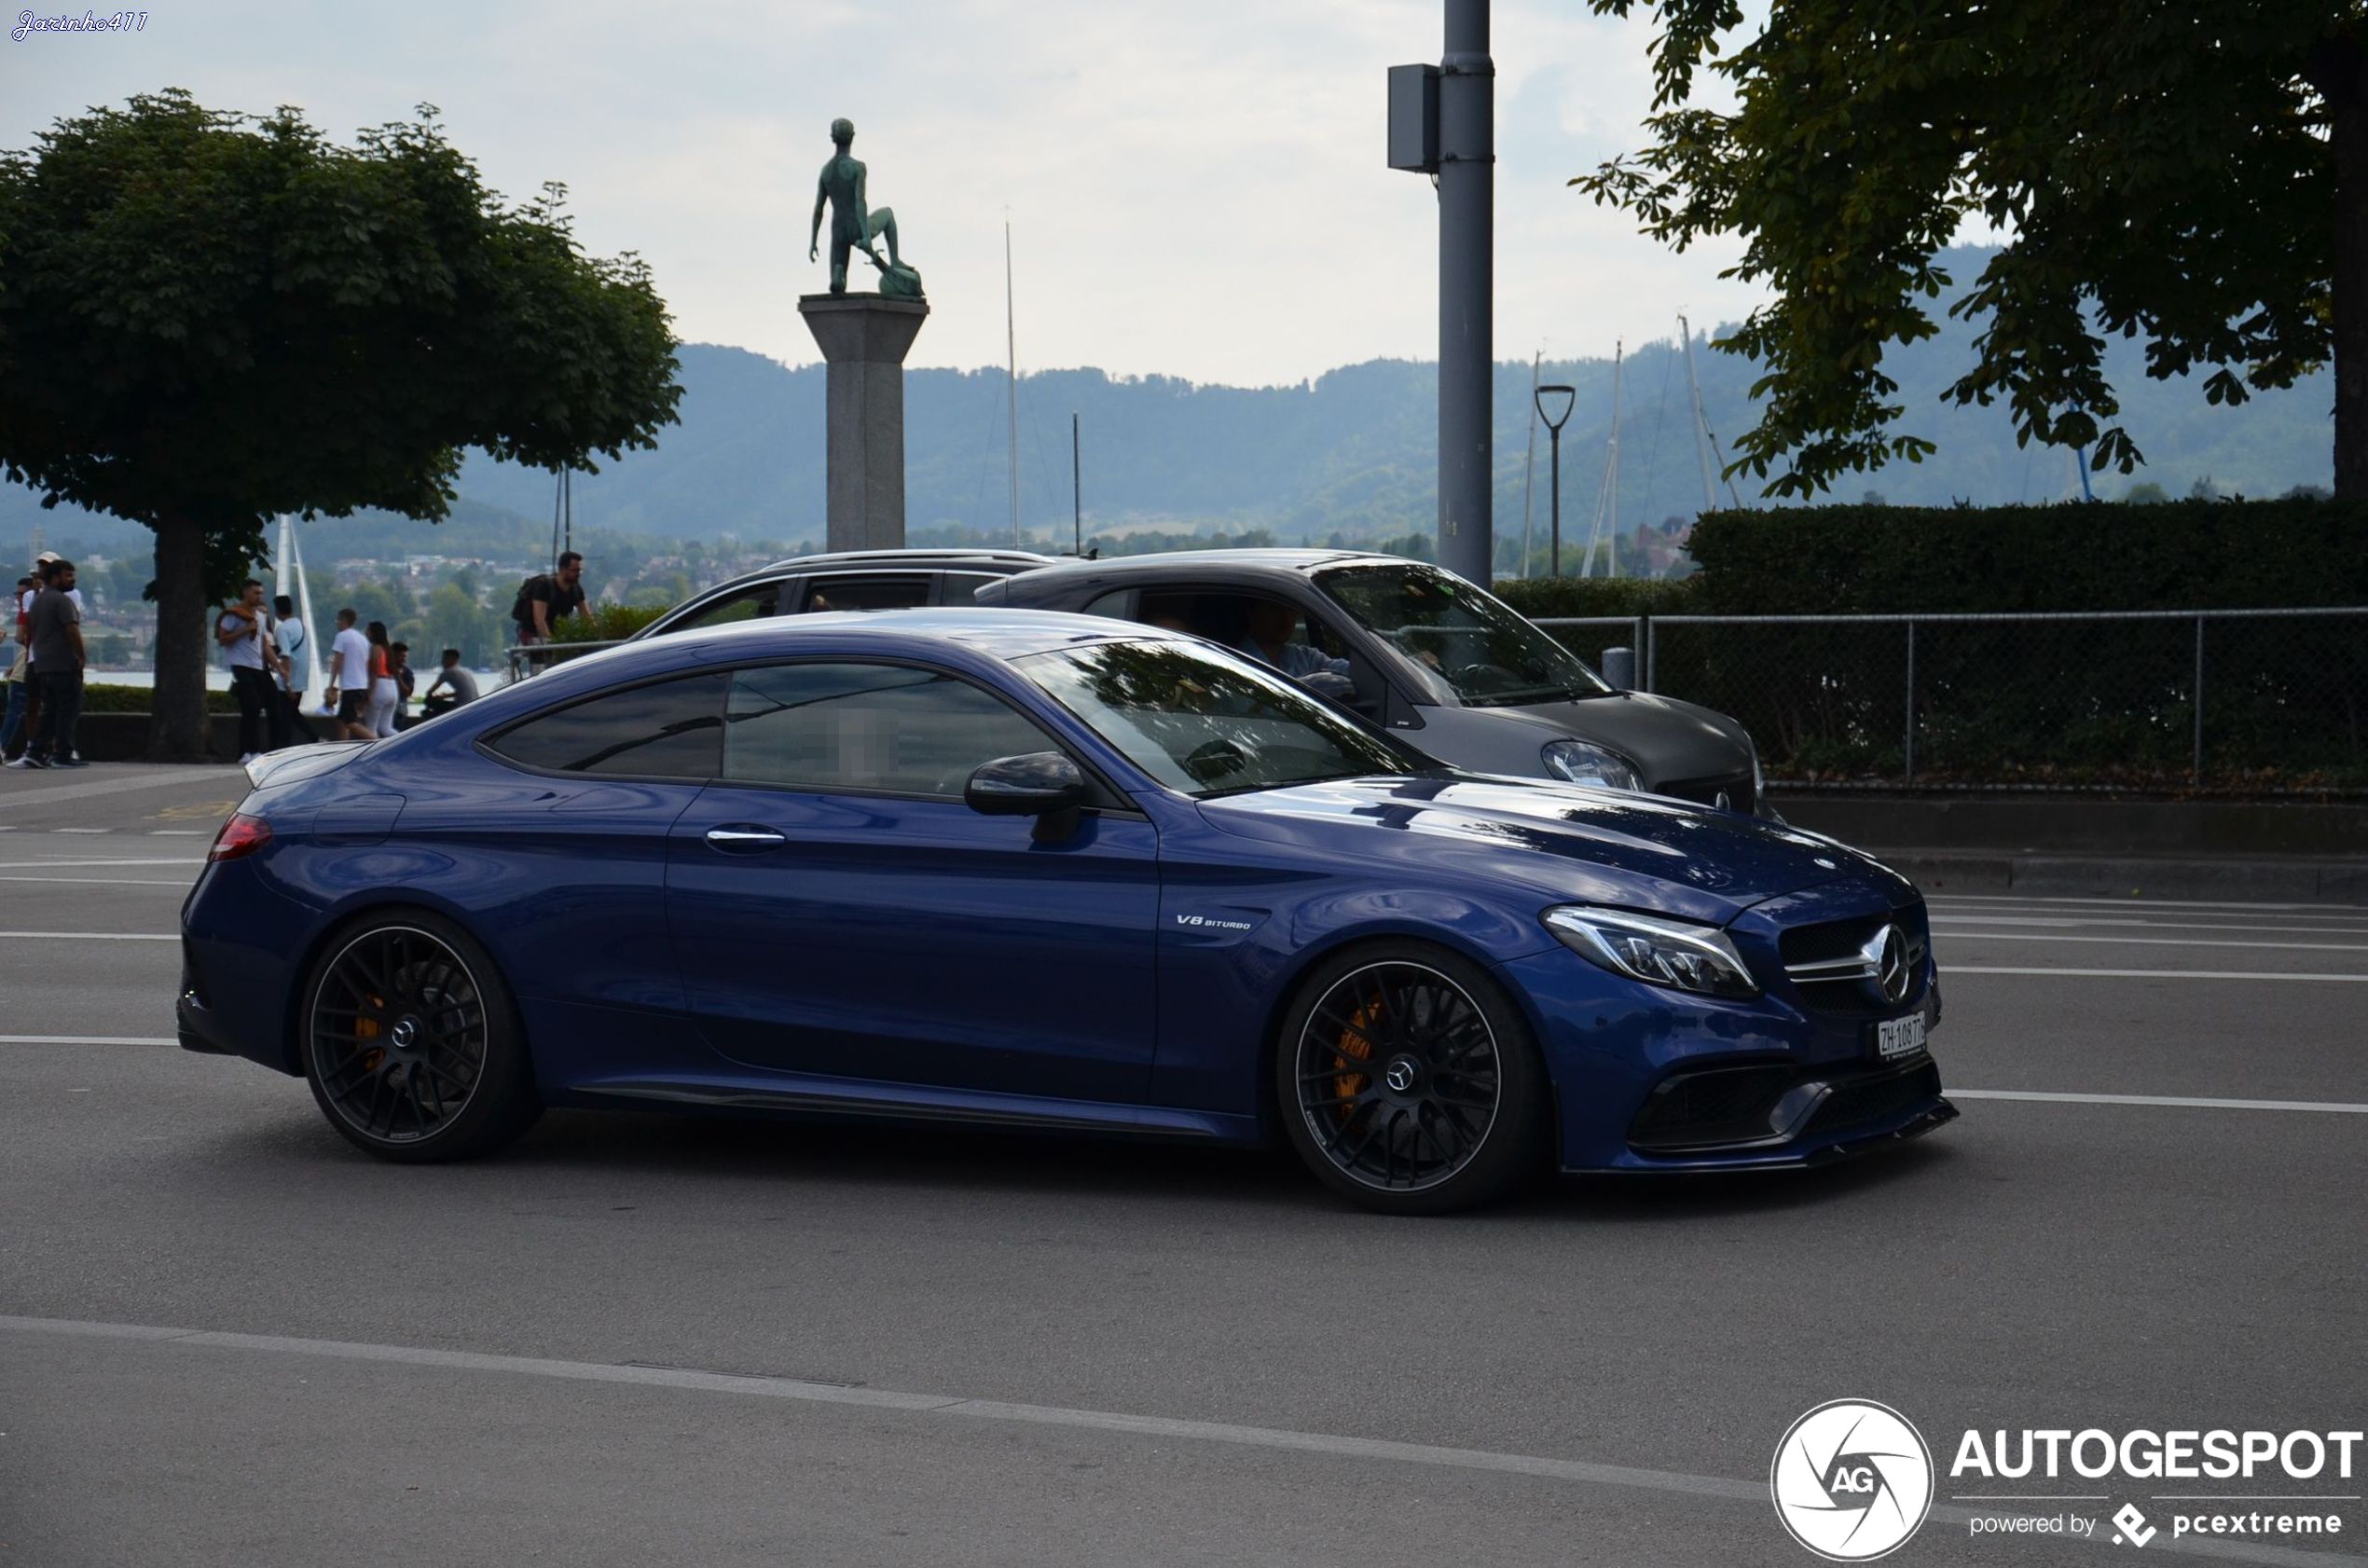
1554,422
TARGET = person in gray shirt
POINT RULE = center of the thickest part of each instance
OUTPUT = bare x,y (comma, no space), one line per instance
457,685
56,664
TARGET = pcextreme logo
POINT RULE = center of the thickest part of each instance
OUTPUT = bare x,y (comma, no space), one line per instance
1851,1481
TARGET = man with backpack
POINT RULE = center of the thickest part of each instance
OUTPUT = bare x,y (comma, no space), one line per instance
548,598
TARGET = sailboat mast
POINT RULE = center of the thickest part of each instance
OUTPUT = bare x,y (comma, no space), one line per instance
1705,438
1012,363
1529,462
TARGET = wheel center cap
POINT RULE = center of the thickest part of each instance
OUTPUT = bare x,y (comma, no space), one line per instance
1400,1075
405,1035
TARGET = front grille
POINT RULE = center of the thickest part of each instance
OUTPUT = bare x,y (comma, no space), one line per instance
1872,1099
1772,1104
1823,963
1736,787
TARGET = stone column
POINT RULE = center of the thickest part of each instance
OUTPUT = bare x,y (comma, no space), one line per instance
864,338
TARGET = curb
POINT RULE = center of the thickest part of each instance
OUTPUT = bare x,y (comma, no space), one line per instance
2102,876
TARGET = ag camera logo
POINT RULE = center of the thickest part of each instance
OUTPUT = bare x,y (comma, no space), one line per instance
1853,1481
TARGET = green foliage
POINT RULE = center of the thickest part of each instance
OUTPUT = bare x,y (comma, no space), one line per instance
1546,598
607,623
208,319
2163,168
2173,555
109,697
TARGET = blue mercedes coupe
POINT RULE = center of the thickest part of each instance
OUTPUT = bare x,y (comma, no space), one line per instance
1045,871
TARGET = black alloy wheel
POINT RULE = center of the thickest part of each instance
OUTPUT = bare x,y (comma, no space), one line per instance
1410,1083
411,1044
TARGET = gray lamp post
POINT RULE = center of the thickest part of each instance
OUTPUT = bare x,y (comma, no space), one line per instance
1554,422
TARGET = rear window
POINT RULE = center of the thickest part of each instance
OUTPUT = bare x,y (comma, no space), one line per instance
670,729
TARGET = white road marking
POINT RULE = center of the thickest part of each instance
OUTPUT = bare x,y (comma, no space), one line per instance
2088,922
86,1039
2159,942
56,865
98,882
2203,1103
1753,1492
82,830
179,833
2028,900
84,936
1950,971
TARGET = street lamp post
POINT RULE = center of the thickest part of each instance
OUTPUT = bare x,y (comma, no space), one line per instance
1554,422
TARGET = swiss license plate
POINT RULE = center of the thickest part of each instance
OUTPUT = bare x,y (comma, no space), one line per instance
1899,1037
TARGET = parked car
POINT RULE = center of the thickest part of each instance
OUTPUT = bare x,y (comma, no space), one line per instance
1460,672
848,580
1052,872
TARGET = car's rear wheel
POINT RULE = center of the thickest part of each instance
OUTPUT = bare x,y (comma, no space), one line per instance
411,1042
1409,1082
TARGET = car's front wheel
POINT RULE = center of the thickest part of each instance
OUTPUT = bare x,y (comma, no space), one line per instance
411,1042
1408,1081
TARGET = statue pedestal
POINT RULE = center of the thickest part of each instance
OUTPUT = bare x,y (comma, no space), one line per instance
864,338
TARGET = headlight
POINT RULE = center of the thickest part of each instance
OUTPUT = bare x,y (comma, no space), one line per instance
1582,763
1677,954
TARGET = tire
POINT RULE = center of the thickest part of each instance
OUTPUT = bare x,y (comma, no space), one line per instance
1408,1081
411,1042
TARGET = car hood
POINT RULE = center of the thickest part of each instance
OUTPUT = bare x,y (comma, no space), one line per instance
1563,841
1667,738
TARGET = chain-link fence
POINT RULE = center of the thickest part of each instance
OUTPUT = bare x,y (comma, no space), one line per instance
2238,701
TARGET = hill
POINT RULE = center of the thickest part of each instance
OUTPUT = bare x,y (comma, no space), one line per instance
1350,452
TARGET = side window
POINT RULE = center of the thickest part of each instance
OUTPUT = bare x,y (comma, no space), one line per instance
873,728
1118,604
671,729
961,587
752,603
905,591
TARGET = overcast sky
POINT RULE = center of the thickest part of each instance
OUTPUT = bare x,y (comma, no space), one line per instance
1194,189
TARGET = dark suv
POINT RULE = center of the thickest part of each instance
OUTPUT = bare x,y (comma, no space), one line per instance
1423,651
850,580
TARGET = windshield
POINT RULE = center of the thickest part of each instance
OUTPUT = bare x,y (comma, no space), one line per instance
1464,645
1204,722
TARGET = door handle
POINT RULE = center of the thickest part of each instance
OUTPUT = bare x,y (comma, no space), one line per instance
736,840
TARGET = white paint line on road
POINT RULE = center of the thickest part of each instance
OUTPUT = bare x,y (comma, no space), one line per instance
1753,1492
2159,942
58,865
98,882
87,1039
180,833
82,830
1949,971
2338,1106
84,936
2030,900
2138,923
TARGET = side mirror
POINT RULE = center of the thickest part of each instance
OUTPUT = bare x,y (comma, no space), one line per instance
1045,785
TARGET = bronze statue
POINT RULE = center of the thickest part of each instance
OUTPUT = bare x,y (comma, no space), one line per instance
853,225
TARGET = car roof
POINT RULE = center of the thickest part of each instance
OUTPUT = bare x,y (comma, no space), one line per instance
1186,562
1000,634
1017,559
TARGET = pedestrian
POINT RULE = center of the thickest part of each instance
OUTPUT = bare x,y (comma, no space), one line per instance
546,599
380,715
294,639
56,664
348,691
244,634
399,666
460,683
19,620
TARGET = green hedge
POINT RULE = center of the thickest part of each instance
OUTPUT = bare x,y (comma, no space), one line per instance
105,697
2182,554
1542,599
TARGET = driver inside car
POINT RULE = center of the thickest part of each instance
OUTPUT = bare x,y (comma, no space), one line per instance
1267,637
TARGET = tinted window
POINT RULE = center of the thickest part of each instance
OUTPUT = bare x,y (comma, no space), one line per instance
1461,644
961,587
876,728
752,603
865,593
673,729
1205,722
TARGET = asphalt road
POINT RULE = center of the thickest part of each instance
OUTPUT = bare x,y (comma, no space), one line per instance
226,1338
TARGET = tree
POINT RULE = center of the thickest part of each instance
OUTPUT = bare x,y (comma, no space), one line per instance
208,319
2191,172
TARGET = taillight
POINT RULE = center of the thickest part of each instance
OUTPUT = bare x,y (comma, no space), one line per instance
241,835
